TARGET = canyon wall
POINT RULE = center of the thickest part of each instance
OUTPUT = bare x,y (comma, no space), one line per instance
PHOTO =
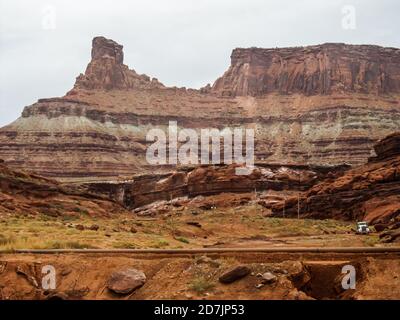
323,69
318,105
370,192
208,180
25,194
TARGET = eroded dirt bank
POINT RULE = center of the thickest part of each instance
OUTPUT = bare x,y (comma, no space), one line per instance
294,276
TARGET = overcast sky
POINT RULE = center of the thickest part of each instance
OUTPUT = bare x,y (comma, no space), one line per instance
44,45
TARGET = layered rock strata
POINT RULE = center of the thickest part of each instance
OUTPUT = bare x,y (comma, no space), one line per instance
209,180
370,192
318,105
24,193
313,70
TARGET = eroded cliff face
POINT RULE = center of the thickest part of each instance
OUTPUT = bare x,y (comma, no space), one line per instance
315,105
323,69
107,71
209,180
370,192
26,194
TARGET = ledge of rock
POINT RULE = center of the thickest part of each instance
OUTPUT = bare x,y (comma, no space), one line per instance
388,146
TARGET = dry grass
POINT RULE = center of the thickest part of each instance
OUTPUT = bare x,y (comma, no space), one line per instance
217,226
201,285
371,240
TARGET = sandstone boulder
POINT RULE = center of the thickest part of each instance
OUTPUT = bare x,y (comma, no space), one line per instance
126,281
268,277
208,260
234,274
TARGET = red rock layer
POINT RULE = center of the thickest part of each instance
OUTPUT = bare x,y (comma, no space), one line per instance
321,69
209,180
370,192
387,147
24,193
107,71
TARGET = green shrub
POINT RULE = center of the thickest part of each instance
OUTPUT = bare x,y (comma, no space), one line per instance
201,285
182,239
161,244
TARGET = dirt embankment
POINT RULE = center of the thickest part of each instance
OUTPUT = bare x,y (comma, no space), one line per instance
291,276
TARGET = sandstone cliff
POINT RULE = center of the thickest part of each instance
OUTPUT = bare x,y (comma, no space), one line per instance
369,192
209,180
107,71
24,193
322,69
317,105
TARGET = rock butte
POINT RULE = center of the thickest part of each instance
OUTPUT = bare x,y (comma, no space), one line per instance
318,105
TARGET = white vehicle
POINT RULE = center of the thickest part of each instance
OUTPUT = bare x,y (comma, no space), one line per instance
362,228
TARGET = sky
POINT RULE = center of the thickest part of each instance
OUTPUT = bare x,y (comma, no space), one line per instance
45,44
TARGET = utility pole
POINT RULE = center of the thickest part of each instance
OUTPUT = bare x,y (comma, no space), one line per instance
284,205
255,199
298,206
298,199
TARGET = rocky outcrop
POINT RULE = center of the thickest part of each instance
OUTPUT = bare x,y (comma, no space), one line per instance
388,147
24,193
126,281
321,69
370,192
234,274
318,105
107,71
208,180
